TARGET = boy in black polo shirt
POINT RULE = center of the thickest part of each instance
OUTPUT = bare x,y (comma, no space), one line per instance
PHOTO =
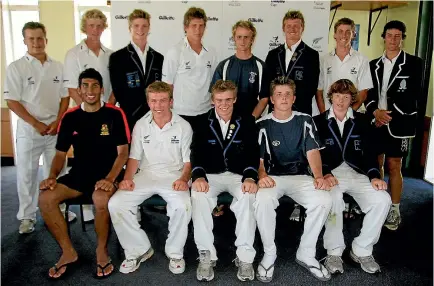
99,134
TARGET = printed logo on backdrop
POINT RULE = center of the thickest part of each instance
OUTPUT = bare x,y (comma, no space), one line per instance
213,19
319,5
184,2
274,43
147,1
231,44
121,17
316,44
234,3
256,20
274,3
166,18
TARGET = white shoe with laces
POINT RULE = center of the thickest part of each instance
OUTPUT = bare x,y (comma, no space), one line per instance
177,266
131,265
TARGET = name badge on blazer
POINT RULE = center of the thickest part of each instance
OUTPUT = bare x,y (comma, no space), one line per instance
133,79
212,142
329,141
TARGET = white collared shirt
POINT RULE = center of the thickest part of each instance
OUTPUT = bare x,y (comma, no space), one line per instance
341,124
38,87
289,52
191,75
80,58
142,55
354,67
223,125
164,150
387,71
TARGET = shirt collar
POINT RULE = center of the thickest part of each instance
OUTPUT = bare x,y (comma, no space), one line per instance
219,118
175,117
85,48
393,61
138,50
293,47
102,104
30,58
187,44
349,114
350,53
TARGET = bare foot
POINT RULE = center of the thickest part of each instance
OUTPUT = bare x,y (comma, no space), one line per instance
64,259
102,258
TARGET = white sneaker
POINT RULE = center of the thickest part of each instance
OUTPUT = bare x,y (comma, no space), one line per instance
131,265
71,216
88,213
177,266
27,226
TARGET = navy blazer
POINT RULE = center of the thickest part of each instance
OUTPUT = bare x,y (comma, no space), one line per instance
238,152
303,69
403,93
356,147
129,82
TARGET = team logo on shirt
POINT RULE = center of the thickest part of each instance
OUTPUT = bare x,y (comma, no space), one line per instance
187,65
357,145
85,66
56,80
208,64
329,141
402,86
146,140
104,130
275,143
30,80
298,75
252,77
74,133
174,140
353,70
329,70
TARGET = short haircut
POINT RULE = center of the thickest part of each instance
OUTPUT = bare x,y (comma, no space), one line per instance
92,74
345,21
222,86
343,86
34,26
194,13
395,25
92,14
292,15
282,80
246,25
159,87
138,14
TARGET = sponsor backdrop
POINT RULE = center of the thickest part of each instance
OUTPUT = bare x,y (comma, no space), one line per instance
167,23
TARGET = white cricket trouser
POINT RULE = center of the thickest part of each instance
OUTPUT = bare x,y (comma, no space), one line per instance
30,146
375,204
301,189
242,206
123,207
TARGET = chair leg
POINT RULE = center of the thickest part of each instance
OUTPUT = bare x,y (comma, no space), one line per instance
83,226
68,226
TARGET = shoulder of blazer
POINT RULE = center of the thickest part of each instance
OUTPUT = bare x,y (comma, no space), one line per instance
411,59
320,119
120,53
156,54
373,62
309,49
276,51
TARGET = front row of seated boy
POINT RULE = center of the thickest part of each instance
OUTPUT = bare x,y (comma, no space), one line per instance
312,160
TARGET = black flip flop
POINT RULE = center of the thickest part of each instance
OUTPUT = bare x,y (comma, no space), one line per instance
71,266
104,275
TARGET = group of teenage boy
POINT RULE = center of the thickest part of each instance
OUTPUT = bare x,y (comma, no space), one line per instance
200,128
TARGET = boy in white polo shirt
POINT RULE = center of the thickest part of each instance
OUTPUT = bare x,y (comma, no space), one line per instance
161,149
343,63
33,91
189,67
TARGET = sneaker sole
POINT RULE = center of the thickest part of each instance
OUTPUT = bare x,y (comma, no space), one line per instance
355,259
145,257
200,278
177,270
26,232
245,278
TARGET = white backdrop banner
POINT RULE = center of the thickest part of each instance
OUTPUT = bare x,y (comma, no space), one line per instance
167,23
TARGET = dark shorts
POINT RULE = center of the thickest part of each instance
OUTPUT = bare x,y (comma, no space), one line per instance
390,146
83,185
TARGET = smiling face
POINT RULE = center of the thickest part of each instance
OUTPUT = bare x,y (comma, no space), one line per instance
224,103
35,41
139,29
293,29
160,104
343,35
283,98
90,91
341,102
